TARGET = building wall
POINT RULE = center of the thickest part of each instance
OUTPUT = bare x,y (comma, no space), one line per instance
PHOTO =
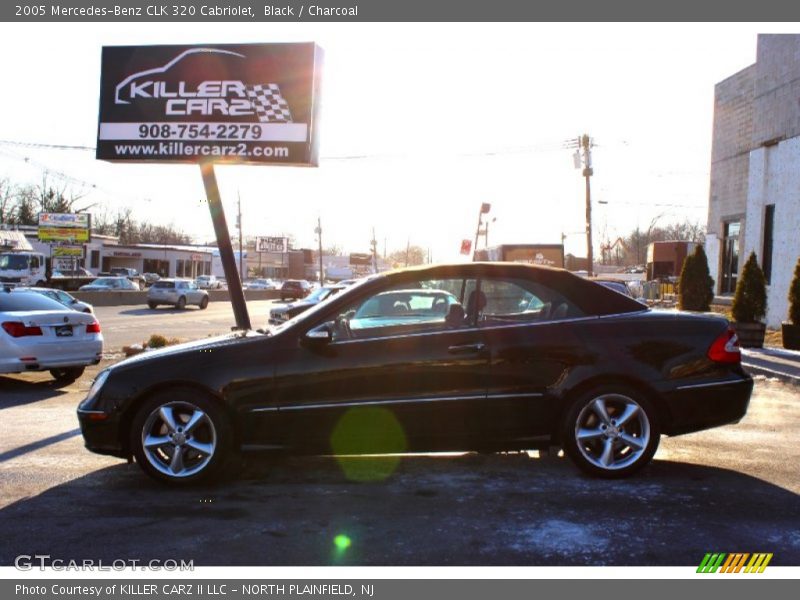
775,179
756,162
730,147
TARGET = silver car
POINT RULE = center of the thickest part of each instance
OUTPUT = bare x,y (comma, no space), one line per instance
39,334
64,298
177,293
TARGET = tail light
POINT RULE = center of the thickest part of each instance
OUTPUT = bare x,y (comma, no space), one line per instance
93,327
725,349
18,329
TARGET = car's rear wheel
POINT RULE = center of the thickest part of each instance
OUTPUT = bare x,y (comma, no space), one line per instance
66,375
611,432
181,303
181,437
152,305
204,303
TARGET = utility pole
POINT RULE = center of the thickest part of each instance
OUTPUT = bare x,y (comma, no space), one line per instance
239,225
585,143
374,245
485,208
318,231
408,247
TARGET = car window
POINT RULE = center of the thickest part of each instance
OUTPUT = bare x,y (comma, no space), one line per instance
63,297
501,301
15,301
411,307
164,284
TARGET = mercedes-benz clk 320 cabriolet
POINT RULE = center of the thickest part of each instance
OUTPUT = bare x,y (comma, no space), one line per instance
467,357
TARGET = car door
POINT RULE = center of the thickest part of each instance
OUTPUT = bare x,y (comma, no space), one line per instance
528,328
420,375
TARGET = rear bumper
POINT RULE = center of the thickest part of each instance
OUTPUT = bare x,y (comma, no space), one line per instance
48,356
698,406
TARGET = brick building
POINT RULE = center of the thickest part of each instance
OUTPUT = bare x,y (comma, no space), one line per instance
754,202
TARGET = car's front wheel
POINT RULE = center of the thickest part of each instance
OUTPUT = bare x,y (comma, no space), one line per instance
181,303
611,432
204,303
181,437
66,375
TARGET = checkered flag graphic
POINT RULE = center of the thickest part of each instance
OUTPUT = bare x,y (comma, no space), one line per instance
268,103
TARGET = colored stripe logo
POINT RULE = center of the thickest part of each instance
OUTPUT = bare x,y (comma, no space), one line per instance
734,563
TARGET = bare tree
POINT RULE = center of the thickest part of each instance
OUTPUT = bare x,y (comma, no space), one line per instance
7,200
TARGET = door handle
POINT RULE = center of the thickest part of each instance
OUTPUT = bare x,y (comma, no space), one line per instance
467,349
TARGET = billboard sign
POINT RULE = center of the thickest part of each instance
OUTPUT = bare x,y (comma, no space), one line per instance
72,220
65,227
272,244
234,103
67,251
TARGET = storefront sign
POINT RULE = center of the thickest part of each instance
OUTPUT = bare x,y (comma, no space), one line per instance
254,103
272,244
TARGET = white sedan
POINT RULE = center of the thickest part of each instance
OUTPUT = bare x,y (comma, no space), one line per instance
39,334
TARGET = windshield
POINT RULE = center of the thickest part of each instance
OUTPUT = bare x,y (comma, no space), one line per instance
320,294
14,262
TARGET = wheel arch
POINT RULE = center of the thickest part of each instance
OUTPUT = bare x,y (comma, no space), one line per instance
579,389
129,414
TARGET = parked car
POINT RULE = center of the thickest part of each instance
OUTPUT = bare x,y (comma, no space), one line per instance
262,284
39,334
150,278
294,289
615,284
208,282
63,298
104,284
280,314
177,293
581,367
131,274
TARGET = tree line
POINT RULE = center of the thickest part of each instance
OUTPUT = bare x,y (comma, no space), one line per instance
20,204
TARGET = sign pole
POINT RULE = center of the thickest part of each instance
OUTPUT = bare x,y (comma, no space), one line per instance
224,245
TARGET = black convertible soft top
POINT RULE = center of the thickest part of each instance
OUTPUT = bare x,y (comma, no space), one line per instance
592,298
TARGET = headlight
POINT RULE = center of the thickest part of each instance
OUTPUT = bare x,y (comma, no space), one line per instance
95,389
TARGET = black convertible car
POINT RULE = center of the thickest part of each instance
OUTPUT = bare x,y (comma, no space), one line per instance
475,356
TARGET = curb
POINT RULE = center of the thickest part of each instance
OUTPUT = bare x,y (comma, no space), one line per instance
784,377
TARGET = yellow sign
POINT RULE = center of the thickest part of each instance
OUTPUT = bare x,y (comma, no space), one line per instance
59,251
63,234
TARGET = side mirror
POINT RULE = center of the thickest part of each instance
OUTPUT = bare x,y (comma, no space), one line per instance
320,335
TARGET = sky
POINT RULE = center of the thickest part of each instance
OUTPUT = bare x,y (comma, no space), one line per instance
421,123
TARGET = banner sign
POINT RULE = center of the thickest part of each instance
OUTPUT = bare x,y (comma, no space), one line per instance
272,244
253,103
466,246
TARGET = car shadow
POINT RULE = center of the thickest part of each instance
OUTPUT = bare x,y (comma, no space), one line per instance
26,392
505,509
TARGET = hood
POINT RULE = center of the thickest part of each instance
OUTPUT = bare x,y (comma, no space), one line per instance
185,348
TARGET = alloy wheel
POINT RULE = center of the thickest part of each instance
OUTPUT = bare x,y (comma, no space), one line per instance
179,439
612,432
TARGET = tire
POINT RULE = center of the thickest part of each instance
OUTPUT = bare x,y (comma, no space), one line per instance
152,305
66,375
204,303
599,444
164,419
181,303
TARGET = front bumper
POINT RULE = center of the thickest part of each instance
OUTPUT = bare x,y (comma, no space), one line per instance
101,433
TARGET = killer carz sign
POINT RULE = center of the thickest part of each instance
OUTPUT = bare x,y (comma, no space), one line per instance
226,103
